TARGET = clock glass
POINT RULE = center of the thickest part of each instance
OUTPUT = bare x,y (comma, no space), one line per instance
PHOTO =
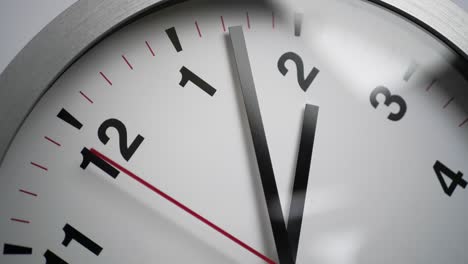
325,131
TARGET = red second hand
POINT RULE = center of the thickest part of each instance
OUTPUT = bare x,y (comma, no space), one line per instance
182,206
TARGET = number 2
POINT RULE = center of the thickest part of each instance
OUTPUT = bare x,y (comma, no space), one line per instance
127,152
304,82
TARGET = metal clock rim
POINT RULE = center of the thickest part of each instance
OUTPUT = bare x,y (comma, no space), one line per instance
85,23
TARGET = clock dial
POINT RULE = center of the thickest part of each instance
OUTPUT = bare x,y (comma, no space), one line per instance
330,131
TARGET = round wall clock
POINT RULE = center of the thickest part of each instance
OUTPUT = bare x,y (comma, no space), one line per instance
324,131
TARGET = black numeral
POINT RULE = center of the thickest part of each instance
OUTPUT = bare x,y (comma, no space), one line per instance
72,234
127,152
389,99
188,75
457,178
89,157
304,82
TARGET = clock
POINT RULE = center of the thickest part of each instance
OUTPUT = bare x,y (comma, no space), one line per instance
324,131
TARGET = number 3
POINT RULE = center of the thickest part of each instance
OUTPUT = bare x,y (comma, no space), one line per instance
389,99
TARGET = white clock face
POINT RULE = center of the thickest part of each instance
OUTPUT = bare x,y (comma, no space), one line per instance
142,151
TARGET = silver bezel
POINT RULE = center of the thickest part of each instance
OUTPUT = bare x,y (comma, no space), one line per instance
85,23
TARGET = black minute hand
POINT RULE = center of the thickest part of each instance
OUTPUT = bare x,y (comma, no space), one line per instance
304,157
260,145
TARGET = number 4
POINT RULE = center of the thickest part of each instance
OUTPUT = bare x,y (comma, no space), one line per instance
457,178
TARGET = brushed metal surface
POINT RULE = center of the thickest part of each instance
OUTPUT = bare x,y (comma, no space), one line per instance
443,18
82,25
52,51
